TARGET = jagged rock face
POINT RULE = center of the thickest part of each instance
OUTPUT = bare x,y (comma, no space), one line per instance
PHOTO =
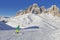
35,9
42,9
32,9
54,10
29,9
19,12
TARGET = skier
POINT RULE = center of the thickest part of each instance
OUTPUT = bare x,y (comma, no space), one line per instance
17,29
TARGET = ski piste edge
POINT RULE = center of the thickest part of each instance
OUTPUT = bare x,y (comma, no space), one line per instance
33,27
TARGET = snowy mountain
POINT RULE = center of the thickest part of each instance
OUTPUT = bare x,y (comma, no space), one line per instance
34,16
48,21
24,20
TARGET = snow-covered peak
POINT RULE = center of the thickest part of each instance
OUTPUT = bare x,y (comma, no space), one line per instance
54,10
31,9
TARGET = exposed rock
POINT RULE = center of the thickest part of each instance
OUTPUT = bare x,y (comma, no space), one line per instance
35,9
29,9
54,10
42,9
18,13
32,9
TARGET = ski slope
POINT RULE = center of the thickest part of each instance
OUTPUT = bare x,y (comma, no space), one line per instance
32,19
48,28
24,21
30,34
27,34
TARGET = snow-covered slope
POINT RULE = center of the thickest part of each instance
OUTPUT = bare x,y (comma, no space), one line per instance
25,20
50,19
46,21
31,19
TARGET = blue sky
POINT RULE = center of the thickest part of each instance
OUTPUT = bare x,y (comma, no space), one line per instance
10,7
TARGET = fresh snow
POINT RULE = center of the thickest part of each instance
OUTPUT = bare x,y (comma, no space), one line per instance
25,20
49,28
31,19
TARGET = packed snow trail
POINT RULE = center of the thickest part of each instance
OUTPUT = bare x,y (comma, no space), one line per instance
30,34
47,28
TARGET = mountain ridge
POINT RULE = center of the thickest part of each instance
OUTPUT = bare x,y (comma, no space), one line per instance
54,10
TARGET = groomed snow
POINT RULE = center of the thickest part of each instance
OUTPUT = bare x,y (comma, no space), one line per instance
25,20
49,28
31,19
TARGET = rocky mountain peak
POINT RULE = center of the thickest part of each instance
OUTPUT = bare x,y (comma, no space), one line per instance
54,10
42,9
31,9
54,7
35,5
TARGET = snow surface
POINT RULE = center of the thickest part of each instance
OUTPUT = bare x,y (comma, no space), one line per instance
25,20
31,19
49,28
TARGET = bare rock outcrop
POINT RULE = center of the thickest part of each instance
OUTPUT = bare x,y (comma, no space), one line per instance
31,9
42,9
54,10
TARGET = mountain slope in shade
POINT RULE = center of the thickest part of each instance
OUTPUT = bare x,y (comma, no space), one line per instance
4,26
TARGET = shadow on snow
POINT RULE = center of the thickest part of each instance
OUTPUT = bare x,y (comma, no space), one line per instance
4,26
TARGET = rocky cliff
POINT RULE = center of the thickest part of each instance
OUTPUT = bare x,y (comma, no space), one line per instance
54,10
